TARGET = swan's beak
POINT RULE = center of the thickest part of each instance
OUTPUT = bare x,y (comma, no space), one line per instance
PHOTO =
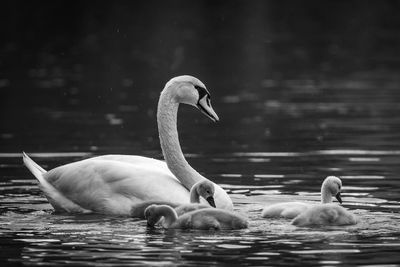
210,201
205,107
339,198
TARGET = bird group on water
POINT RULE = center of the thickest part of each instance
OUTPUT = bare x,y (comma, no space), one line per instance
171,193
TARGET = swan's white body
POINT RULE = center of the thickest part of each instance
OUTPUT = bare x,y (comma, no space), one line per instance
204,219
111,184
324,214
330,187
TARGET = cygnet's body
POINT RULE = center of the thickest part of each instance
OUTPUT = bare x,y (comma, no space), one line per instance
324,214
330,187
204,189
204,219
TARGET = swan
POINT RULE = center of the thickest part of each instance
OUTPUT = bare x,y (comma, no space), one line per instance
111,184
324,214
331,186
199,219
203,189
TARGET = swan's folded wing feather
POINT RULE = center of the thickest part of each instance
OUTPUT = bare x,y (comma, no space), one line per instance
136,160
101,185
287,210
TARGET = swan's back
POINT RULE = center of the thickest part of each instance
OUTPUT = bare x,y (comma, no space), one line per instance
136,160
185,208
325,214
287,210
211,218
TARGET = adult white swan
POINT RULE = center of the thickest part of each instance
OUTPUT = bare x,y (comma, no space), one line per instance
111,184
330,187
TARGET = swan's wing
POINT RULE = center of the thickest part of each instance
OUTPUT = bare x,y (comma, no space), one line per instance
136,160
348,218
111,187
287,210
294,209
183,222
206,223
221,198
344,217
59,202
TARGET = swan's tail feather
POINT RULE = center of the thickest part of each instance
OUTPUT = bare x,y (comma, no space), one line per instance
33,167
38,172
28,160
56,199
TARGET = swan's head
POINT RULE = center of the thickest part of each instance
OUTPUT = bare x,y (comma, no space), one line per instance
206,190
151,215
190,90
332,186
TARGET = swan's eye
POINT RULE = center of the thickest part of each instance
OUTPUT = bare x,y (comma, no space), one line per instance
208,100
203,93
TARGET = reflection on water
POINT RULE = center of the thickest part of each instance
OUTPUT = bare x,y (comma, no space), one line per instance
303,91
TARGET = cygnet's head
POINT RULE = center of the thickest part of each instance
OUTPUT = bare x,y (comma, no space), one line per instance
332,186
190,90
206,190
151,215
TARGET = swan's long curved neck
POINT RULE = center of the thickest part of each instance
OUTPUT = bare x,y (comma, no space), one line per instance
169,215
167,127
326,195
194,195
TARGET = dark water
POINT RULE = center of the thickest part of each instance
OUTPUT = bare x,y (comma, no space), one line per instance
300,97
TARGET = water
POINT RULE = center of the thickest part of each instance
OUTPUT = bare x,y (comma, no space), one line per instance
325,105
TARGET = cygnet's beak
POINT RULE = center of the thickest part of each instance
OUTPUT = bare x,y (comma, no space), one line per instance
206,109
339,198
210,201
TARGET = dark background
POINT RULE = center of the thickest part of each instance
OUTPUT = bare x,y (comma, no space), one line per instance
111,57
234,43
